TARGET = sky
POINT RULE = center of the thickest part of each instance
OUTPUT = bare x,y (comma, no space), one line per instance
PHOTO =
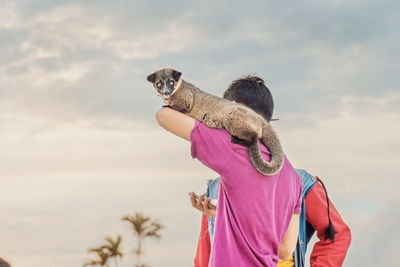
80,147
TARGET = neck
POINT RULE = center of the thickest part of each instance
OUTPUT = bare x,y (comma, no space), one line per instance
178,85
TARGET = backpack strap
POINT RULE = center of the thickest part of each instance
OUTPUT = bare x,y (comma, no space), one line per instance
329,230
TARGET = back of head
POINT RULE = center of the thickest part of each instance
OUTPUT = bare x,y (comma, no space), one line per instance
252,92
3,263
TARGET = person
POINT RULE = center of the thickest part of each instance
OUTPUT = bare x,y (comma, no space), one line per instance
242,237
329,252
3,263
318,214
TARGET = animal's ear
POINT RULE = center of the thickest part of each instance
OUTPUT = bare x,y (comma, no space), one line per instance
152,78
176,75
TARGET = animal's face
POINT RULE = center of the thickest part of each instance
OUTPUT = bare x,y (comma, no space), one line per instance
165,81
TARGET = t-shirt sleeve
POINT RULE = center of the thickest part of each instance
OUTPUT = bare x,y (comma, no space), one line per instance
299,198
211,146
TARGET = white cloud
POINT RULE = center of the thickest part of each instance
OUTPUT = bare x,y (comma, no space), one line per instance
9,16
76,114
79,27
359,125
355,68
172,38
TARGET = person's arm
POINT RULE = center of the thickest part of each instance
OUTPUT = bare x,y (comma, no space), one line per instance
325,252
289,241
210,146
175,122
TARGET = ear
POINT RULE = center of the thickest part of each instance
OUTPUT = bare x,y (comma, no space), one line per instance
152,78
176,75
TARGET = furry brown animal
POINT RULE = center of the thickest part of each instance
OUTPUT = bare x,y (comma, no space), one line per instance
215,112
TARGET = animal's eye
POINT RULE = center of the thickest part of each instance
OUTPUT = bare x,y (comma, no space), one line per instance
171,83
158,84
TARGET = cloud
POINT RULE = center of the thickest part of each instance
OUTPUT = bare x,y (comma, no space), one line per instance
76,112
75,61
376,234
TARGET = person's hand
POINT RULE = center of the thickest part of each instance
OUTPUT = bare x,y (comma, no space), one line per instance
202,204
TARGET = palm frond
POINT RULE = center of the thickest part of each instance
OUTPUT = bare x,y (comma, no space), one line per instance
113,246
143,226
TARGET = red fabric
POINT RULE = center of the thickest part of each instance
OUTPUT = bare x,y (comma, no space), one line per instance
325,253
203,245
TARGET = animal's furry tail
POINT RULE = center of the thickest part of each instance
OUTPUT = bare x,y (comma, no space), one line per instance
271,141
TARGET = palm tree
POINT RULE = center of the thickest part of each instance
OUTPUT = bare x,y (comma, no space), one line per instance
102,254
143,227
113,247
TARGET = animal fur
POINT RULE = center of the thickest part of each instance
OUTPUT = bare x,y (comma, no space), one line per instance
215,112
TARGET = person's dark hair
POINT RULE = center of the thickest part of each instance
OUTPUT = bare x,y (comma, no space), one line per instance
3,263
252,92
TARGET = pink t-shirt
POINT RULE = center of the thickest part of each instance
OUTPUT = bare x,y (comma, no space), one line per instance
254,210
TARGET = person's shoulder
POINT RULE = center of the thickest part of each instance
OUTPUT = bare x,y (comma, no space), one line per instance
304,175
306,178
213,182
289,171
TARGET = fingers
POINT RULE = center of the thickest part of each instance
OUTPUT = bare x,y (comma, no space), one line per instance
193,199
207,210
205,204
200,201
202,204
197,203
